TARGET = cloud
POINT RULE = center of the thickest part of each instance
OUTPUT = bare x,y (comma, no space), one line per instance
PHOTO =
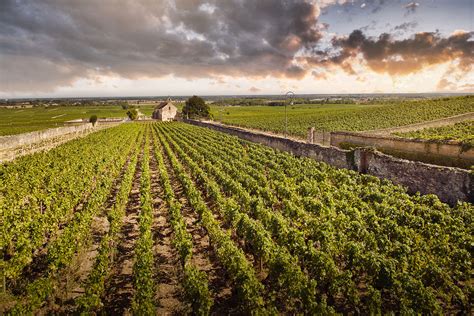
60,41
444,84
406,26
52,43
319,75
400,57
411,7
327,3
254,90
468,87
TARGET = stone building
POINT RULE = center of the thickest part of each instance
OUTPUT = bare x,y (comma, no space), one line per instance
165,111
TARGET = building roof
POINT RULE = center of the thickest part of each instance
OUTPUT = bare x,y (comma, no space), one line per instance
163,104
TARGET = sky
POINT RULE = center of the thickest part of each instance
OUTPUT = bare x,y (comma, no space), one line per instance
89,48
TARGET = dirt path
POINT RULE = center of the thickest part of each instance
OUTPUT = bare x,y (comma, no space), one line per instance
169,293
204,257
119,288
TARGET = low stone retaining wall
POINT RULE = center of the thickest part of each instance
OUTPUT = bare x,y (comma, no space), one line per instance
448,153
105,119
12,141
449,184
13,146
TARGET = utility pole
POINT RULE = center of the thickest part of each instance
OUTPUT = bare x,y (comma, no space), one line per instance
289,95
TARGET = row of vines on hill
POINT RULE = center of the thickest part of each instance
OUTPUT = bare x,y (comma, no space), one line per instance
336,117
462,132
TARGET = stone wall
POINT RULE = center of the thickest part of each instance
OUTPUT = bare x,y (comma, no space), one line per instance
449,153
322,138
14,146
449,184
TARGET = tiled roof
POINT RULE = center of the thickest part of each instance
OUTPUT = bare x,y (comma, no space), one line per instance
163,104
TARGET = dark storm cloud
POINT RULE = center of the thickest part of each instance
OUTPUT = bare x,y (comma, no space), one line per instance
61,41
400,57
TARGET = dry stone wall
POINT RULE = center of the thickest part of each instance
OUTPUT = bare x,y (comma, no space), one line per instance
448,153
448,183
14,146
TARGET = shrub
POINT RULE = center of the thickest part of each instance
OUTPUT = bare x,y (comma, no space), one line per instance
132,114
93,119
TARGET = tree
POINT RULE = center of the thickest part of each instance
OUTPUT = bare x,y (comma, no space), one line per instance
132,114
93,119
196,107
124,105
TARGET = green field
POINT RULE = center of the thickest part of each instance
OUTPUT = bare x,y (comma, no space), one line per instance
341,117
463,132
16,121
325,117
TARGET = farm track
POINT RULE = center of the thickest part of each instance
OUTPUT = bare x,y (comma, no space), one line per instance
119,287
169,291
204,257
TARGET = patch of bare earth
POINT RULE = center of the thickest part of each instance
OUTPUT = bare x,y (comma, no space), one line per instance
169,293
204,257
119,288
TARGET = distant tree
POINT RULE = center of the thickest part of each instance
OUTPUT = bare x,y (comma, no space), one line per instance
93,119
132,114
196,107
124,105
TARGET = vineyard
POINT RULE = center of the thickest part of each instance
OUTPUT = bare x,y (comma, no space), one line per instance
462,132
170,218
342,117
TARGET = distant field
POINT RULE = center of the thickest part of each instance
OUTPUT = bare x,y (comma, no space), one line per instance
463,132
340,117
16,121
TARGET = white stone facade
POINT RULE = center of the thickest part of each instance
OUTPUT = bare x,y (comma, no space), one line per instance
166,111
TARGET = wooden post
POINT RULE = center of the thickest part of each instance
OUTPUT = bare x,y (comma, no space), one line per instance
311,135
